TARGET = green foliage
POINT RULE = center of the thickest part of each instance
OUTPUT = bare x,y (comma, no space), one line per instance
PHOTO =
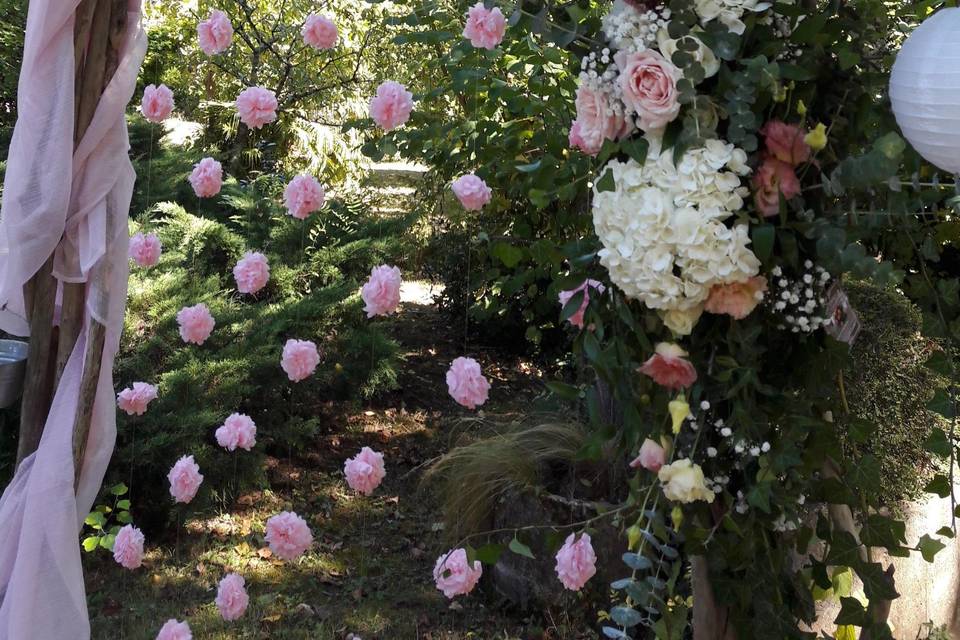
106,520
13,18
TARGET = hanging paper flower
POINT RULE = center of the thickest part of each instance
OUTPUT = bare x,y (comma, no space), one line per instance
466,383
251,272
237,431
381,293
128,547
737,299
668,367
576,562
651,457
365,471
145,249
232,598
257,106
485,27
577,318
157,104
134,400
185,479
392,105
175,630
300,359
206,178
319,32
196,323
303,196
454,575
472,192
215,33
288,535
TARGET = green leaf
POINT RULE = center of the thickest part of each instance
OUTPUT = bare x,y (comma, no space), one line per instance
844,550
489,553
118,489
520,549
851,613
940,485
636,148
940,363
124,517
883,531
508,254
877,585
929,547
942,404
106,542
606,182
123,505
938,443
763,236
96,520
845,632
529,168
91,543
564,390
842,581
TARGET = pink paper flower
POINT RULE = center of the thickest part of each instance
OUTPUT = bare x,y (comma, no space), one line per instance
175,630
669,368
145,249
256,107
365,471
232,598
319,32
466,383
648,82
786,142
576,562
577,318
472,192
303,196
237,431
184,479
157,104
596,121
251,272
300,359
652,456
453,574
196,323
215,33
128,547
381,293
485,27
774,177
288,535
392,105
736,299
134,400
207,178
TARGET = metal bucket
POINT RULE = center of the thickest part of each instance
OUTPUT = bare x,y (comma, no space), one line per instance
13,366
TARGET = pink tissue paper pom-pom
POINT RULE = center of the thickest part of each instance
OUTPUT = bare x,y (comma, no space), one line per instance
256,107
196,323
453,574
365,471
232,598
237,431
184,479
128,547
300,359
145,249
392,105
302,196
472,192
319,32
175,630
157,104
288,535
251,272
485,27
652,456
215,33
669,368
134,400
466,383
577,318
381,292
206,178
576,562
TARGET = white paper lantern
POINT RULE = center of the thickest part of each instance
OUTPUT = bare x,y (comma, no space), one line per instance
925,89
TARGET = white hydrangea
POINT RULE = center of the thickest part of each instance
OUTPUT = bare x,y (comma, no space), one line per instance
663,233
633,29
729,12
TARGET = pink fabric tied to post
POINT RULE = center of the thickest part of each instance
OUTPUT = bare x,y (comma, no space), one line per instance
74,203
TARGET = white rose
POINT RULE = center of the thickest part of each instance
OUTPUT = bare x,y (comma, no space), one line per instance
683,481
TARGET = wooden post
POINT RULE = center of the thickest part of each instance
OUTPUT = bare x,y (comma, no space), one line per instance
710,621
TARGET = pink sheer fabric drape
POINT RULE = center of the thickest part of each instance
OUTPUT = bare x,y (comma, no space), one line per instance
76,204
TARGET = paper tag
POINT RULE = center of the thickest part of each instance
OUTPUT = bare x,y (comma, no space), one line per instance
844,323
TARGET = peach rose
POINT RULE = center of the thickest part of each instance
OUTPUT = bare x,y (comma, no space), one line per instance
771,179
786,142
736,299
649,85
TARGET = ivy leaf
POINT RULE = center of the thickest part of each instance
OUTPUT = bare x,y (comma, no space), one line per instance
606,182
851,613
521,549
636,148
940,485
845,632
844,550
938,443
941,404
929,547
877,585
883,531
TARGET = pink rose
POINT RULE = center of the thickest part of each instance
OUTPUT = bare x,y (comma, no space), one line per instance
319,32
196,323
232,598
256,107
365,471
577,318
237,431
652,456
145,249
392,105
596,121
668,368
453,574
157,104
175,630
472,192
785,141
300,359
128,547
206,178
215,33
736,299
774,177
288,535
184,479
485,27
134,400
303,196
466,383
251,272
648,82
381,293
576,562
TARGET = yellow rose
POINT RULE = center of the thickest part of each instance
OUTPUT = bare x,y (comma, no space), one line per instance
817,139
683,481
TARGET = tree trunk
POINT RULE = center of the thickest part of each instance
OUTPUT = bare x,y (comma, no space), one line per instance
710,621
